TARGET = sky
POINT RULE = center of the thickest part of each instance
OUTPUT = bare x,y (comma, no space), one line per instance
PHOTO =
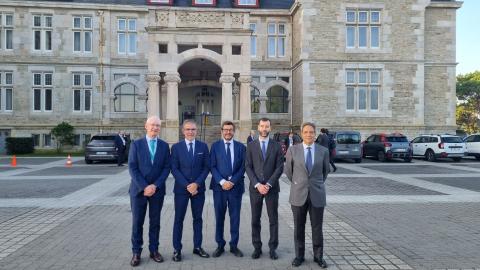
468,37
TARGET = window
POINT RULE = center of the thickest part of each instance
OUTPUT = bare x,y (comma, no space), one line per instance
42,91
255,99
276,40
82,34
127,36
162,48
246,3
125,96
36,140
82,92
160,2
6,91
47,140
363,89
253,40
363,29
6,31
236,49
204,2
277,100
42,32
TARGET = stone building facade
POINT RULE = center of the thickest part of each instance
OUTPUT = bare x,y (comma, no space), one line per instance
103,66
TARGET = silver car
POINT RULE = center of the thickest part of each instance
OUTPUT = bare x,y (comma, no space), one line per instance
348,145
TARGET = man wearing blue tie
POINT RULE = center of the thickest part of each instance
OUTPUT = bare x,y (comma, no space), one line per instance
149,166
227,162
190,167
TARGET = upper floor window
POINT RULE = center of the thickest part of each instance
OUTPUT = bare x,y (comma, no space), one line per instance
253,40
363,89
42,91
246,3
6,91
204,2
127,36
82,34
276,39
82,92
42,32
164,2
6,31
363,28
125,96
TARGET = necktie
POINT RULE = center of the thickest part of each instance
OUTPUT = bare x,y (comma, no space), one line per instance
152,149
308,162
190,150
264,150
229,157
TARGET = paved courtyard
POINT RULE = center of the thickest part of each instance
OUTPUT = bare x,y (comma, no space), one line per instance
392,215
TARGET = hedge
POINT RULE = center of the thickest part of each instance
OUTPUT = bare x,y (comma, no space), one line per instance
18,145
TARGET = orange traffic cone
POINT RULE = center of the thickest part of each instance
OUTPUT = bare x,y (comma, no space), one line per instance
14,161
69,161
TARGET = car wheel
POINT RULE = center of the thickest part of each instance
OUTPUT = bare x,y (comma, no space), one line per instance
409,159
88,161
358,160
430,155
457,159
381,156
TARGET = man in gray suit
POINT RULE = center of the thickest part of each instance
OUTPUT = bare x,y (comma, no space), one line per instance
264,166
307,167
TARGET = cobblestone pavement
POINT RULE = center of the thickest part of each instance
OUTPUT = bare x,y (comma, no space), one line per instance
380,216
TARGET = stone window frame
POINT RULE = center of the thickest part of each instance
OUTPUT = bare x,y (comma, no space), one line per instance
43,88
135,97
367,85
45,30
128,32
284,99
5,29
238,3
5,87
368,24
83,31
254,39
82,87
277,36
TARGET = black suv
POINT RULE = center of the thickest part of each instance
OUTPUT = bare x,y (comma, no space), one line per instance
387,146
102,147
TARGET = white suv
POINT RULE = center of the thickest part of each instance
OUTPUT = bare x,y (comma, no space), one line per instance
472,143
438,146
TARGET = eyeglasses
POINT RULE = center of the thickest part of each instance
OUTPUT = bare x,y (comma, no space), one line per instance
228,129
190,129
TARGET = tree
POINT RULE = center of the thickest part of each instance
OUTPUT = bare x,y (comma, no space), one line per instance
468,109
63,133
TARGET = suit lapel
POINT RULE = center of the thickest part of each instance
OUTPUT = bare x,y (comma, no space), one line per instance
269,149
259,149
317,157
301,156
146,150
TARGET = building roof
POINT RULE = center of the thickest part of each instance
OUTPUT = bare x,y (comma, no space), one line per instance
264,4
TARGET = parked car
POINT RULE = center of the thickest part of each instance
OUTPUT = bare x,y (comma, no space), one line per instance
472,144
349,145
432,147
387,146
102,147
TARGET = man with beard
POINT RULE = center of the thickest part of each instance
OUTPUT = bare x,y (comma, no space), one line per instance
264,166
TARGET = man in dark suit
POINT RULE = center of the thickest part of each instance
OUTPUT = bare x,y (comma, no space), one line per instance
264,166
251,137
227,163
307,167
149,166
120,146
190,167
291,140
322,139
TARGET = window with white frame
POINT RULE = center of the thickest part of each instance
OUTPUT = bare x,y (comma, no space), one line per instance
127,36
47,140
253,40
6,91
363,89
42,91
363,28
125,96
42,32
82,34
276,39
82,92
204,2
247,3
6,31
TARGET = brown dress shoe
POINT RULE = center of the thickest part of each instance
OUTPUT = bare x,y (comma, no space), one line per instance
135,260
157,257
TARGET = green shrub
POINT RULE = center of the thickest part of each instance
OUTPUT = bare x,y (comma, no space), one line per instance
19,145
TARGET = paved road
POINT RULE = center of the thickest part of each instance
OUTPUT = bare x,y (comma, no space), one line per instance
390,215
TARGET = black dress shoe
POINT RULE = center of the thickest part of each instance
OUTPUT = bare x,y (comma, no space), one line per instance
256,253
321,262
235,251
157,257
297,262
273,255
218,252
177,256
135,260
200,252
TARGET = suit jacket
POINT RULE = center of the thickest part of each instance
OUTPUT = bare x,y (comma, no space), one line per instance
119,143
302,182
141,169
221,170
186,170
264,171
322,139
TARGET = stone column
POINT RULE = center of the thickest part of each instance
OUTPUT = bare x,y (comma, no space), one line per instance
172,123
245,108
153,103
227,99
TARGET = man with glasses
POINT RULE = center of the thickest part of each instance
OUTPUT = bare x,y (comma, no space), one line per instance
227,162
190,167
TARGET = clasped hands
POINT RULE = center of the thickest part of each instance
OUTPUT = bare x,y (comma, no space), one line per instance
227,185
263,189
149,190
193,189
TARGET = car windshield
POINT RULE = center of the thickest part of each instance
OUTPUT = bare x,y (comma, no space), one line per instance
451,140
103,138
348,138
397,139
